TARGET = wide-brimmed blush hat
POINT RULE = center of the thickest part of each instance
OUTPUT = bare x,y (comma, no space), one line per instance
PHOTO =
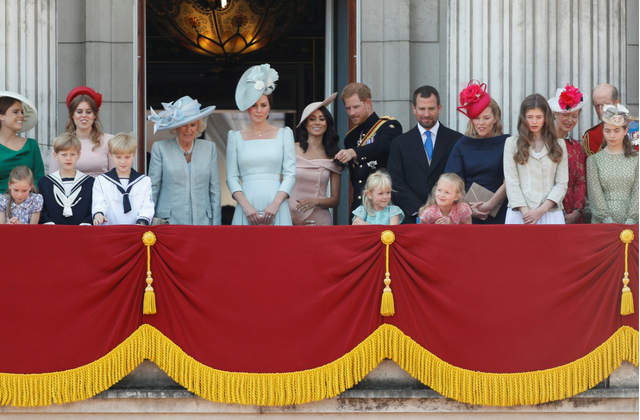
474,99
178,113
568,99
29,110
85,90
616,115
255,82
312,107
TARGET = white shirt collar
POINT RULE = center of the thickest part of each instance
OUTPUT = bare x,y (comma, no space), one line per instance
434,131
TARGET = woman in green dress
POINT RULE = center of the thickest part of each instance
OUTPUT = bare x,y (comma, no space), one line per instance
17,115
612,173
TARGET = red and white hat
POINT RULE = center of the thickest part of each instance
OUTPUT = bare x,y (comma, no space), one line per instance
568,99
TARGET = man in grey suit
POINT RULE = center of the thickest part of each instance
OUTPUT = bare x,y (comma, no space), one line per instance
419,156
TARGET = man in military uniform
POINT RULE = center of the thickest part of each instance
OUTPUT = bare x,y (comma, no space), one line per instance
367,143
602,95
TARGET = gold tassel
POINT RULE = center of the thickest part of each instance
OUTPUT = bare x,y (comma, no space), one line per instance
387,307
626,306
149,305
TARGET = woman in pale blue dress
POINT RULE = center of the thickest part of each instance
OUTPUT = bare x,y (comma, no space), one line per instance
261,159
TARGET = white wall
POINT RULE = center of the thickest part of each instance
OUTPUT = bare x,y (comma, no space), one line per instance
28,65
96,47
523,47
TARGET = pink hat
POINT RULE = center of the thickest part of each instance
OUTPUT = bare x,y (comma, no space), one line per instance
84,90
474,99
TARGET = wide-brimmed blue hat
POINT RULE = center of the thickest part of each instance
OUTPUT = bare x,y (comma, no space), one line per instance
178,113
255,82
29,110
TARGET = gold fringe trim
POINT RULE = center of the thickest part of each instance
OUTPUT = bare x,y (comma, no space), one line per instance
277,389
32,390
508,389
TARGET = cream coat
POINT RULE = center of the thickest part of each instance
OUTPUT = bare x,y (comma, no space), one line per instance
538,180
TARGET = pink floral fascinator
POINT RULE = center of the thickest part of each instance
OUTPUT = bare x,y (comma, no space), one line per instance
474,99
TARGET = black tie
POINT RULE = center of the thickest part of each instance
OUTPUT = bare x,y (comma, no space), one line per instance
125,197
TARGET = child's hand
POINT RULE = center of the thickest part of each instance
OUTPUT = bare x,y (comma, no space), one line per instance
359,221
99,219
14,221
444,220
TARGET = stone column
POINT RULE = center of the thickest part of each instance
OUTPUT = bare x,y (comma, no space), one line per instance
28,50
523,47
386,57
97,47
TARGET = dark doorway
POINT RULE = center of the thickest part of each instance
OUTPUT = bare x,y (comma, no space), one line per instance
299,58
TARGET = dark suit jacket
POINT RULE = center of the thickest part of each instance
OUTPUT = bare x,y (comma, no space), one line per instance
413,177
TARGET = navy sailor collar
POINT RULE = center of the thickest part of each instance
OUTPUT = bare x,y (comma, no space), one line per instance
112,175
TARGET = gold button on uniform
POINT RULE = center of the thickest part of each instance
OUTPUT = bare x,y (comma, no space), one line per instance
359,197
359,181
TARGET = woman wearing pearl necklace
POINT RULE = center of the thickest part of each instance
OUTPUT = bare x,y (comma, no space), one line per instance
184,170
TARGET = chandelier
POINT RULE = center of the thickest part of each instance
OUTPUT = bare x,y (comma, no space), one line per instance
225,30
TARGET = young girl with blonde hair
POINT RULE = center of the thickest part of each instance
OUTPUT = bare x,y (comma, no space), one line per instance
376,208
446,205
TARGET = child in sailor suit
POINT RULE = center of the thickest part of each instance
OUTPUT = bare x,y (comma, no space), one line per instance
122,196
67,191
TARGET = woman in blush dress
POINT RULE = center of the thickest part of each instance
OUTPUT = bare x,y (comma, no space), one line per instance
566,106
317,143
261,159
84,120
477,157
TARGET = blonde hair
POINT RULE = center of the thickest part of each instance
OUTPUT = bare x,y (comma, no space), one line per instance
67,141
123,143
449,177
378,179
497,125
96,128
202,125
18,174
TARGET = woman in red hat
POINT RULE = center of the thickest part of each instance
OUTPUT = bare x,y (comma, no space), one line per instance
477,157
84,120
566,107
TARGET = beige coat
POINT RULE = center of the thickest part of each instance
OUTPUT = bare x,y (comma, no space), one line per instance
538,180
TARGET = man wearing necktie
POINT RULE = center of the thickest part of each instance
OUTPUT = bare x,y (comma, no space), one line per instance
419,156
